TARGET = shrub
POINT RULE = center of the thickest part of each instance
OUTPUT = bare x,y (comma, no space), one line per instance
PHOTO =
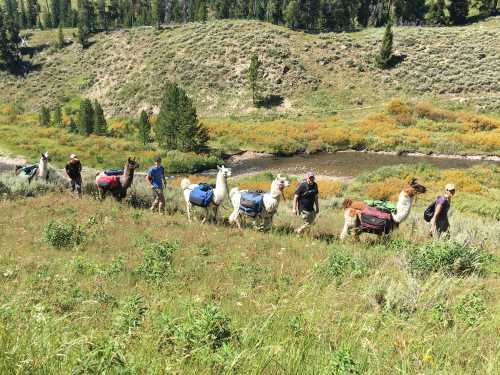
342,362
100,356
471,308
386,190
205,327
62,235
450,257
130,315
340,264
157,263
427,110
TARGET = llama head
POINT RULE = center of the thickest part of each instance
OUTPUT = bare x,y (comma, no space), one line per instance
415,188
281,182
45,156
226,172
132,163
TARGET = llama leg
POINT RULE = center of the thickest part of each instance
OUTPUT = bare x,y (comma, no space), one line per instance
188,209
345,231
205,217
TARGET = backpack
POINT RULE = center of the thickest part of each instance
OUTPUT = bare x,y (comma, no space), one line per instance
252,203
429,212
201,195
113,172
382,205
374,220
108,182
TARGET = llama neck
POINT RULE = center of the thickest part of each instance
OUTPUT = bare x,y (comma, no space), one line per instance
127,178
276,192
220,190
42,167
403,207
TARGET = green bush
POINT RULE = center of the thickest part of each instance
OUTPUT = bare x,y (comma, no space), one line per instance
450,257
131,315
63,235
14,186
471,308
101,355
341,263
157,263
342,362
205,328
179,162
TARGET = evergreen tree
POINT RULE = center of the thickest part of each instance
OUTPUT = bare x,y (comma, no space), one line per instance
8,42
57,119
253,76
293,17
46,19
144,128
384,57
11,23
72,127
100,125
158,12
435,14
31,13
85,21
86,118
409,11
178,127
338,14
60,37
459,11
44,117
201,10
102,17
23,17
55,12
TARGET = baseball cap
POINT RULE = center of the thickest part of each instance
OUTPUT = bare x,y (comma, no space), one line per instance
72,156
310,174
158,158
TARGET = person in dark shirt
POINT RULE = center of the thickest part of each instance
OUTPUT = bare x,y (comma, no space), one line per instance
74,173
439,222
305,202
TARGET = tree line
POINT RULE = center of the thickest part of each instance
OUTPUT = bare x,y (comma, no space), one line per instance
176,128
300,14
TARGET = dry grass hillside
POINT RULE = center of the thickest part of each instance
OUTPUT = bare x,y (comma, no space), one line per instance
304,73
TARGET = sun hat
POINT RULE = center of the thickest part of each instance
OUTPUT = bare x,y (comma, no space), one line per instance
449,187
72,156
310,174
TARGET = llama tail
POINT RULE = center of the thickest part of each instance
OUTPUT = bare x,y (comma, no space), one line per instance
233,191
347,203
185,183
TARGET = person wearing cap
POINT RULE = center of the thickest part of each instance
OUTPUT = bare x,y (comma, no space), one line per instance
74,172
439,222
305,201
156,178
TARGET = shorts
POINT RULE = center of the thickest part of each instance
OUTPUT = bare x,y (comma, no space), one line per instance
308,217
158,196
76,184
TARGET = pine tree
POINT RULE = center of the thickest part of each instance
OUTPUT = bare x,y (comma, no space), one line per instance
158,10
100,125
32,13
5,48
11,23
459,11
435,14
44,117
293,15
253,76
384,57
23,18
72,127
55,12
102,16
144,128
178,127
60,37
86,118
57,119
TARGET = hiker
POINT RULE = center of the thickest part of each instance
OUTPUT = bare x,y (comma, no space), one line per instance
305,200
439,221
156,178
74,173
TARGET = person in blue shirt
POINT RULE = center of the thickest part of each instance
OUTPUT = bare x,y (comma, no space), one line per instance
156,178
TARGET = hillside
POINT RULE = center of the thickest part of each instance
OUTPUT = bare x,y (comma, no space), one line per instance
307,74
107,288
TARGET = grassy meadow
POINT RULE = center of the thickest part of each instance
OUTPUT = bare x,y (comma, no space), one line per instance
91,287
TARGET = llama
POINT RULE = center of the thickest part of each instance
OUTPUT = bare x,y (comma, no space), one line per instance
116,185
271,202
40,171
220,193
352,210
